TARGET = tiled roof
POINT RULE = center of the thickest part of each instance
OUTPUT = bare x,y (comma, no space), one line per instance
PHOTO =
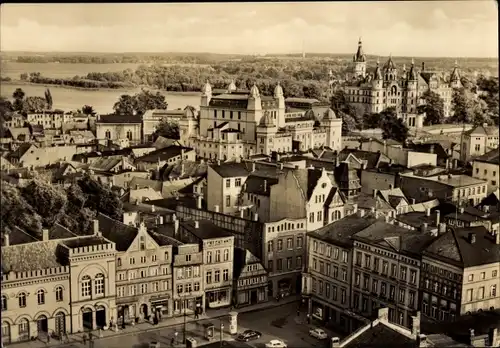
371,158
163,154
255,185
84,241
341,231
122,235
381,336
119,119
185,169
59,232
30,256
18,236
417,219
206,229
492,157
105,164
455,246
139,183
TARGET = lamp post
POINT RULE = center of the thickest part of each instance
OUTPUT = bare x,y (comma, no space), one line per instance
221,331
184,302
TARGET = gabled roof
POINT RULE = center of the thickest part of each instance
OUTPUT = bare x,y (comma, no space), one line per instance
19,236
139,183
163,154
484,130
20,151
106,164
380,335
455,247
243,258
185,169
30,256
117,232
21,134
258,185
492,157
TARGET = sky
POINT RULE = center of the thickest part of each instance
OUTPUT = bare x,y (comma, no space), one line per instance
409,28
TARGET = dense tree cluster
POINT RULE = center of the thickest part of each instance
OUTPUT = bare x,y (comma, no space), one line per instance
23,104
139,103
433,108
74,82
41,204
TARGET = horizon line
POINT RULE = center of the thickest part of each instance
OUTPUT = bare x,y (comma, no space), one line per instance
241,54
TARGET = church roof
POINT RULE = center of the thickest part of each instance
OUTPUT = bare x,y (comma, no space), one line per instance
360,56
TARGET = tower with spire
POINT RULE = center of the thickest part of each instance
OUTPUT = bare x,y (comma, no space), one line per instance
359,60
455,80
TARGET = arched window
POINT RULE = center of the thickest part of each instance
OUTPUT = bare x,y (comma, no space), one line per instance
86,286
4,303
226,254
142,243
40,295
59,294
108,134
129,135
24,329
119,262
22,300
99,284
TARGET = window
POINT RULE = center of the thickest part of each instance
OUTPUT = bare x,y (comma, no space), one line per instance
132,261
494,273
59,294
209,257
99,284
119,262
196,271
375,286
217,276
217,256
132,290
237,182
471,277
228,183
483,275
270,246
299,262
179,289
289,243
469,295
196,286
493,291
344,256
311,217
413,276
129,135
401,295
226,254
189,271
24,328
280,245
300,242
107,134
4,303
270,265
480,295
225,275
189,287
343,296
320,215
279,265
86,289
142,243
209,277
228,201
289,263
367,261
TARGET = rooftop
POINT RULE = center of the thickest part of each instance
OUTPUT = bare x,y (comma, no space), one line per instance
113,118
206,229
492,157
84,241
163,154
459,180
30,256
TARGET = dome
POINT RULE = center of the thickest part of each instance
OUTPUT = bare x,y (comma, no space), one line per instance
254,92
278,91
266,120
309,114
231,87
207,89
329,115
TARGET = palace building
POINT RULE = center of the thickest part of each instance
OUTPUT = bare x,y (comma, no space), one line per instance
387,86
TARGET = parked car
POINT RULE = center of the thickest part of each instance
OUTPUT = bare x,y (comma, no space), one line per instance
276,344
248,335
318,333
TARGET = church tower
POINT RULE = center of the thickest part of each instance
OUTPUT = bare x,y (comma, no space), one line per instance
455,81
359,61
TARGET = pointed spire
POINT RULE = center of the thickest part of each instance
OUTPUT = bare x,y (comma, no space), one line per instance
404,67
456,63
412,62
359,41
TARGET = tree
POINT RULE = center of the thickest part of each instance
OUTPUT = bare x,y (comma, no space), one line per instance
18,96
392,126
33,104
6,107
100,198
48,201
341,107
433,108
467,108
24,77
126,105
48,99
312,91
139,103
88,110
166,129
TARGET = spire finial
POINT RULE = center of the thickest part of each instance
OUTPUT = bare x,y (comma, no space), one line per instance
378,60
456,63
359,41
412,61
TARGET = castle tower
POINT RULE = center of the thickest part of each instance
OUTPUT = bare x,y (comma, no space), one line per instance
455,81
359,61
390,71
279,96
266,130
254,105
206,94
377,81
412,77
333,128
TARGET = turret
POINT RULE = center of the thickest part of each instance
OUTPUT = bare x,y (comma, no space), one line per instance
231,87
359,60
333,128
455,81
390,71
206,94
266,130
279,96
254,103
412,76
377,76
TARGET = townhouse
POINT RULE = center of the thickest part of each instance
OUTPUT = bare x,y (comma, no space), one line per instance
386,270
478,141
119,127
249,279
327,276
460,274
485,167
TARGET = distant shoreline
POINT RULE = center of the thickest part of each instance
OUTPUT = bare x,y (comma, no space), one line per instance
48,85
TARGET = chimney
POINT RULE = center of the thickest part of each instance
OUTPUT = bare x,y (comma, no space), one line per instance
182,154
216,208
182,169
385,147
337,160
391,186
383,314
256,217
96,227
438,217
472,336
6,239
265,185
361,213
412,201
160,220
218,162
253,167
428,212
278,157
196,224
493,337
472,238
174,217
486,208
375,193
45,234
415,325
152,208
176,227
355,208
335,342
485,125
198,202
497,238
424,227
461,210
372,209
281,166
431,148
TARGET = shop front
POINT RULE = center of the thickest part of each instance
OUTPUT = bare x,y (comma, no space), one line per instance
245,296
160,307
187,305
341,319
218,298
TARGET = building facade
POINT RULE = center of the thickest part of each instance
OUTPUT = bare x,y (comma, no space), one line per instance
250,279
478,141
119,127
486,167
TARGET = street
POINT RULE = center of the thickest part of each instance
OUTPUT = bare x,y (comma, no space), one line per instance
280,322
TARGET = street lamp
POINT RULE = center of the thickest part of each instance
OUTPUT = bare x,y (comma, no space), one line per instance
221,331
184,302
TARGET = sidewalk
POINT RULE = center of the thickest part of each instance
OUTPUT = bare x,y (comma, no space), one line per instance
77,338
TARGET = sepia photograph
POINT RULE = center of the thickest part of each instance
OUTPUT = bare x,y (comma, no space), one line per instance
250,174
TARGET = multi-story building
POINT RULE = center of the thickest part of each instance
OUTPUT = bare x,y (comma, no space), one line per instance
250,279
119,127
386,270
48,119
243,123
486,167
327,276
284,255
478,141
460,274
143,271
57,286
452,188
184,118
389,87
217,246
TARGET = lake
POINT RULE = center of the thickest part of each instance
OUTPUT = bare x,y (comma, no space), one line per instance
68,99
